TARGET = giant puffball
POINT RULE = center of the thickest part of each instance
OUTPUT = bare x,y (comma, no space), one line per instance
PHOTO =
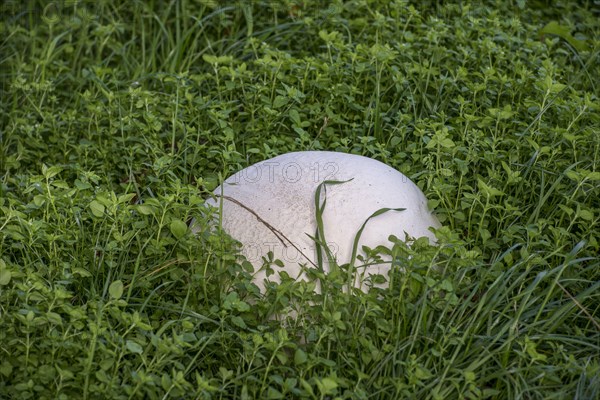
270,206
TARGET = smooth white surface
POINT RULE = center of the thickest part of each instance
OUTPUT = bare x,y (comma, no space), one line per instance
281,192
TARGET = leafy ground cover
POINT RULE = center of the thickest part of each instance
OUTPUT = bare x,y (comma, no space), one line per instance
119,118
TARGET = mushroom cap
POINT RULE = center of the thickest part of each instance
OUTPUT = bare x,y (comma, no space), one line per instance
272,203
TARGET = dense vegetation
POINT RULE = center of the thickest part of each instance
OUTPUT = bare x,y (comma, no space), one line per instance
118,118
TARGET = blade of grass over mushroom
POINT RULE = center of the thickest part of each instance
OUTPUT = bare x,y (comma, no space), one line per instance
320,240
362,228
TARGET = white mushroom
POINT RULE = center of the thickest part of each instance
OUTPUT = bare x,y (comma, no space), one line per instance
272,203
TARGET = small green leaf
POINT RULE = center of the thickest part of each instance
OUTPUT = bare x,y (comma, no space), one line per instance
573,175
300,357
225,373
6,368
295,117
446,285
233,302
50,172
5,276
65,374
81,272
82,185
209,58
125,198
422,373
97,209
134,347
116,289
39,200
307,386
470,376
488,190
593,176
280,101
146,209
447,143
328,37
530,347
217,60
485,234
165,382
274,394
586,215
54,318
327,385
506,112
178,228
61,185
238,321
382,53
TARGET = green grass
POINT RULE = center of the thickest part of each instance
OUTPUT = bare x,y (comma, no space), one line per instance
118,119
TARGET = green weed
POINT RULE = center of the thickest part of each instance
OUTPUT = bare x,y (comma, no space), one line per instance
118,119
